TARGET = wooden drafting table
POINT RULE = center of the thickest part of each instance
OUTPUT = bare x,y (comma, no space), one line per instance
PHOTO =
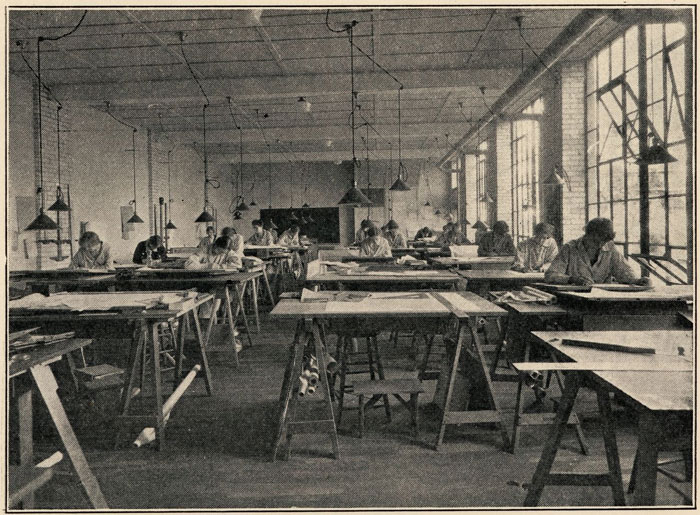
128,307
655,393
218,282
484,281
36,362
379,310
475,262
404,278
49,281
655,308
524,317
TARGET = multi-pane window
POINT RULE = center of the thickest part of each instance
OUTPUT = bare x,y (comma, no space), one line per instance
525,170
482,204
613,137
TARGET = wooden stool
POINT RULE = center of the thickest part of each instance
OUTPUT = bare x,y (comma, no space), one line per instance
374,364
383,387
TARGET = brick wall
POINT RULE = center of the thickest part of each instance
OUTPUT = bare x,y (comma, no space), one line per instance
573,149
503,171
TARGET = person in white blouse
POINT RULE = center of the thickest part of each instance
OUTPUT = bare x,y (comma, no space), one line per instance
537,253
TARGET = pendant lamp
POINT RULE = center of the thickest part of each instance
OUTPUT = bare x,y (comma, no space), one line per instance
479,225
135,218
242,206
41,222
399,183
655,154
59,205
170,225
353,196
205,216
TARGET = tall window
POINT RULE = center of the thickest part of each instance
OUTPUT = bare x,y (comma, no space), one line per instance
525,170
482,205
613,93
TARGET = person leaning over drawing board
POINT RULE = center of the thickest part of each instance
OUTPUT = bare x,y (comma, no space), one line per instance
149,250
237,242
497,242
260,236
538,252
375,245
425,232
290,237
593,258
92,254
208,240
451,235
218,256
361,233
394,237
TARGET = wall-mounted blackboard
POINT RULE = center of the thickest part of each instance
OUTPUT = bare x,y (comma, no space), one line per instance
317,223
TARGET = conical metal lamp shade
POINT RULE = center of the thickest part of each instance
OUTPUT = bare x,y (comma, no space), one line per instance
356,197
253,203
170,225
237,215
242,206
656,154
479,225
41,223
59,205
204,217
438,212
306,205
467,222
135,219
399,185
427,203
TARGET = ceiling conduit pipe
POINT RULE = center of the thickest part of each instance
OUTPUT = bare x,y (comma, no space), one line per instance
579,28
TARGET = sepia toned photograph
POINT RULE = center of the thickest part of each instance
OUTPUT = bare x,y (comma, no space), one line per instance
349,257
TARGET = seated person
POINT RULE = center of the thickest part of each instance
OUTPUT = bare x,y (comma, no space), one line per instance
375,245
538,252
497,242
218,256
92,254
237,243
394,237
260,236
593,258
270,227
425,232
361,233
149,250
290,237
451,235
208,240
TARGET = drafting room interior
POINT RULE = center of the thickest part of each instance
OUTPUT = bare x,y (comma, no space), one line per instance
360,257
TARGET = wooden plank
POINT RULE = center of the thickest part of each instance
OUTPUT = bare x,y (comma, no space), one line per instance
607,346
598,366
24,481
472,417
45,354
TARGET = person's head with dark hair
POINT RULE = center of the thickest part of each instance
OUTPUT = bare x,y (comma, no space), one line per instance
228,231
543,231
372,231
257,226
500,228
599,231
221,245
211,231
91,242
392,226
365,224
154,242
294,228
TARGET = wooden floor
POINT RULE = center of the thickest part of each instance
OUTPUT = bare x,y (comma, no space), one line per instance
218,453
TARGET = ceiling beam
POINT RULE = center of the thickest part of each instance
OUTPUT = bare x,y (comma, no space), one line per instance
268,87
330,155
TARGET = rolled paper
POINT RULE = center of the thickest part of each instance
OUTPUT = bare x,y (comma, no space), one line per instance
546,298
149,434
303,386
51,460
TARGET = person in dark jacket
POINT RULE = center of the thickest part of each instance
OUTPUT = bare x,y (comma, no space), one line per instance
497,242
153,246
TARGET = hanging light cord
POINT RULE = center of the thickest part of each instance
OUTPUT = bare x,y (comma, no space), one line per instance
40,190
402,168
59,193
269,175
133,156
189,67
519,22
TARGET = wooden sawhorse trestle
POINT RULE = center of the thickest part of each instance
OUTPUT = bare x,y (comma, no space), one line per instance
309,334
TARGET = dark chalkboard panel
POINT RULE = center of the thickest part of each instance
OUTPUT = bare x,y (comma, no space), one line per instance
324,224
